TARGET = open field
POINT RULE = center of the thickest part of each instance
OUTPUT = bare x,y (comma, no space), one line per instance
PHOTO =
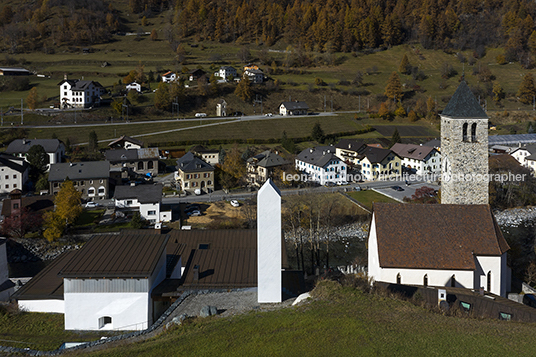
367,197
343,322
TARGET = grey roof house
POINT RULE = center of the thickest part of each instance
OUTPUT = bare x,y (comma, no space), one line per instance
128,162
261,166
293,108
145,198
194,175
53,147
91,178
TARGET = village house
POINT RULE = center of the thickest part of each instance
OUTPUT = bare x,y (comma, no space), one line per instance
521,153
169,77
254,75
129,162
418,159
13,173
90,178
53,147
194,175
196,74
438,245
125,142
146,199
79,93
33,204
349,150
293,108
12,71
261,167
226,72
375,163
133,86
210,156
321,165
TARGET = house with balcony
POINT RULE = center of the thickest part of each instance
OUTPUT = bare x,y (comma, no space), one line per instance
349,150
126,163
194,175
90,178
374,163
226,72
418,159
146,199
261,167
321,165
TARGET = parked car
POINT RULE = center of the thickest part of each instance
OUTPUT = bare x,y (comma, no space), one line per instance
235,203
397,188
268,114
92,204
357,188
194,213
200,115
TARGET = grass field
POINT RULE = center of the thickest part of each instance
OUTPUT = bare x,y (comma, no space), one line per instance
343,322
367,197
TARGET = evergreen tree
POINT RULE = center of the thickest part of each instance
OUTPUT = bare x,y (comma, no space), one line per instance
37,157
161,97
393,90
243,90
395,138
317,133
405,66
288,144
527,89
93,143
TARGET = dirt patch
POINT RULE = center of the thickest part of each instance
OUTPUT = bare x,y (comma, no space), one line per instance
221,213
403,130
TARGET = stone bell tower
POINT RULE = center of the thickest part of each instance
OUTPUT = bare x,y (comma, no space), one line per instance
464,150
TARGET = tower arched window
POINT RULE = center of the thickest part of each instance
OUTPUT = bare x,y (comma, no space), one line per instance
473,133
453,281
464,132
425,280
398,279
488,287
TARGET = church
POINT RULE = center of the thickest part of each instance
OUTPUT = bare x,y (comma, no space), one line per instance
457,243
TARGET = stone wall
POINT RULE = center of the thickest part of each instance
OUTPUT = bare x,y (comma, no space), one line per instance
464,162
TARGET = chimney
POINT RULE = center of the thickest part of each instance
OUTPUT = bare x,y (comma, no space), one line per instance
23,141
71,164
196,272
311,150
65,76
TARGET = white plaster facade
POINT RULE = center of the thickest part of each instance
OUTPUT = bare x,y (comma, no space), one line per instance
333,171
80,94
226,72
148,211
134,86
521,154
48,305
269,244
13,177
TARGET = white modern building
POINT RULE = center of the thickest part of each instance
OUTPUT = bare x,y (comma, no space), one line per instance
438,245
226,72
169,77
13,173
321,165
133,86
145,198
418,159
76,93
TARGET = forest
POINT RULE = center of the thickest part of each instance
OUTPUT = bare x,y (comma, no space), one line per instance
322,26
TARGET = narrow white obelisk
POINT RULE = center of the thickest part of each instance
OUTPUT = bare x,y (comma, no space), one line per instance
269,256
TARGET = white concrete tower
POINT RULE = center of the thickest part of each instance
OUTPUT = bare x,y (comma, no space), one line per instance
269,244
464,150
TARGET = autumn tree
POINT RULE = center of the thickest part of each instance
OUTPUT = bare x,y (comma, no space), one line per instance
395,138
161,97
423,194
68,207
154,35
243,89
498,93
527,89
20,222
33,98
384,112
233,169
393,90
405,66
93,143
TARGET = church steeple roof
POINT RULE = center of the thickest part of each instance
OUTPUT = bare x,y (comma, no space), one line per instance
463,105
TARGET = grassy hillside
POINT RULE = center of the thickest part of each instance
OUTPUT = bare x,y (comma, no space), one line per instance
342,322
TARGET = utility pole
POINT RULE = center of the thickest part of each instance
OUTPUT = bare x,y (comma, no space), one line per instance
123,106
21,113
175,108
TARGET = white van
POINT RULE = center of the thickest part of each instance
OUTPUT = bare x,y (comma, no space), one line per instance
200,115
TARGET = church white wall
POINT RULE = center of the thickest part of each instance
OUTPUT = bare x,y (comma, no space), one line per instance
436,277
51,305
497,267
128,311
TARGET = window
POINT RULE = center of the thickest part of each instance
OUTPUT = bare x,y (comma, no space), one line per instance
505,316
464,132
465,306
15,176
14,185
91,182
140,165
102,190
7,177
150,165
398,279
488,288
91,191
204,246
151,213
209,182
196,175
15,205
473,133
101,181
425,280
188,176
186,184
7,186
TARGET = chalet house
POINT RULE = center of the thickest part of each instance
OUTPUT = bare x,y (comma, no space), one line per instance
13,173
254,75
438,245
194,175
293,108
418,159
91,178
376,163
126,281
169,77
349,150
7,288
522,152
195,74
125,142
147,199
133,86
211,156
321,165
261,167
226,72
142,161
79,93
53,147
250,67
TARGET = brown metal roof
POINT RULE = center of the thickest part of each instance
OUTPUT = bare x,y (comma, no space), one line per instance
46,284
130,254
436,236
